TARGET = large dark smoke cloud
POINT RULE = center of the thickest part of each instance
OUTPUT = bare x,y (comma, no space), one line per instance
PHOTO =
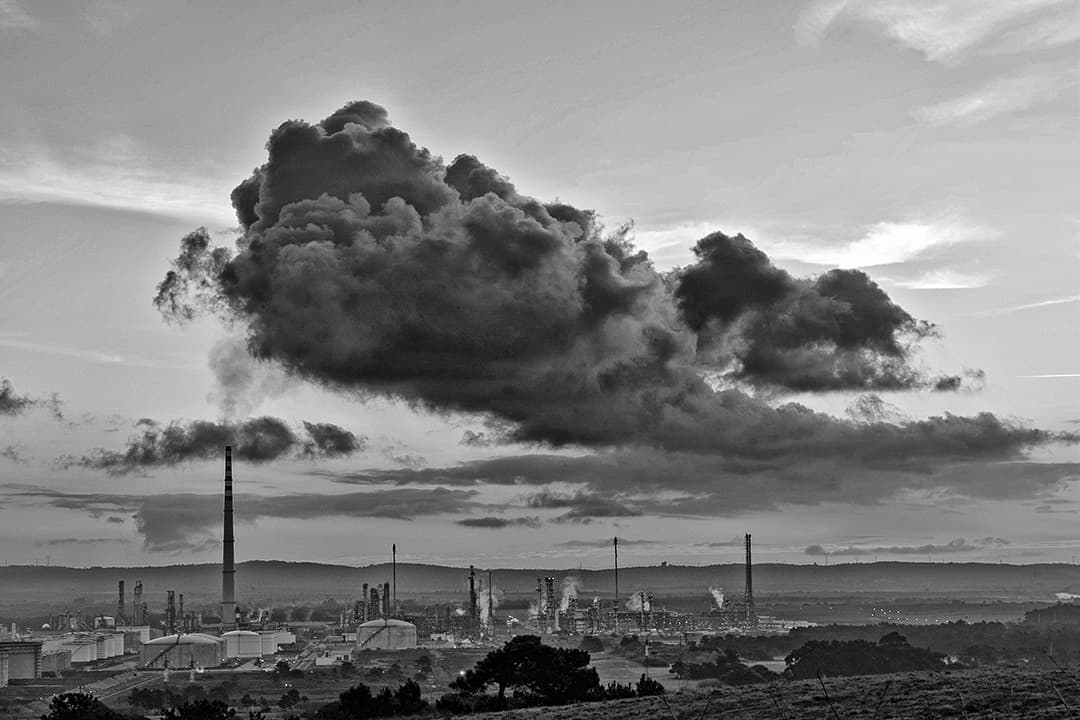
367,266
255,440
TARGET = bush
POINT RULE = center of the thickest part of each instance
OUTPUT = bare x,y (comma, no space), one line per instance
592,644
647,687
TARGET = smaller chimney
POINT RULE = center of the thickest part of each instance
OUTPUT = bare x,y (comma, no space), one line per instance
120,605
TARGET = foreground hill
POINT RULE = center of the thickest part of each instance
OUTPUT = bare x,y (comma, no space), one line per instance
264,582
973,694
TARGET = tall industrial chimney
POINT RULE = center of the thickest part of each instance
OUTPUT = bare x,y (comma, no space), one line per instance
393,579
228,568
120,609
751,614
473,616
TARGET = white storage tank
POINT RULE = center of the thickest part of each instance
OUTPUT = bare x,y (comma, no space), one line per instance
83,650
386,634
268,639
183,651
242,644
118,642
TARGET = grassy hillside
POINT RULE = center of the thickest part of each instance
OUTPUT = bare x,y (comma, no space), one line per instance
973,694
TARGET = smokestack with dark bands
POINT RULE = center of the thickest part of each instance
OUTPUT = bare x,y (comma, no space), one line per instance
228,570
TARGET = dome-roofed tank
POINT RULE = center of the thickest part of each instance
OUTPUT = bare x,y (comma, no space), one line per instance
386,634
242,644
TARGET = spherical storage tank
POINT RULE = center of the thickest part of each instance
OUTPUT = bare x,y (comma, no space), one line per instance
242,644
386,634
182,651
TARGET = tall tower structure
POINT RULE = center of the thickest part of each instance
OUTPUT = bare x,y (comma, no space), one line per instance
228,559
751,613
615,610
121,611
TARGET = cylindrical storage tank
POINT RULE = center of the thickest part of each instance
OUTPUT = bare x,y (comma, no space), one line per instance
118,641
102,647
182,651
386,634
110,646
242,644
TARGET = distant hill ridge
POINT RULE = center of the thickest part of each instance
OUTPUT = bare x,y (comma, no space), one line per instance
265,581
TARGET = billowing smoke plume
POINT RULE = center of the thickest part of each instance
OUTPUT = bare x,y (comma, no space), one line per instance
255,440
638,602
570,587
242,382
838,331
367,266
487,604
718,596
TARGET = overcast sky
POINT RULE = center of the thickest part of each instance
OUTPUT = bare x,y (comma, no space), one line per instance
932,145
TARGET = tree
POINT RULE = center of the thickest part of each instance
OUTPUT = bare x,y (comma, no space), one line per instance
356,702
79,706
290,699
554,675
646,687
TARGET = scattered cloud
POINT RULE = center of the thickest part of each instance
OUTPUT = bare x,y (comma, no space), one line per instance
582,507
959,545
499,523
12,403
13,453
607,543
255,440
181,522
81,541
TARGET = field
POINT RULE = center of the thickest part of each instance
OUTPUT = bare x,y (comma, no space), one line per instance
971,695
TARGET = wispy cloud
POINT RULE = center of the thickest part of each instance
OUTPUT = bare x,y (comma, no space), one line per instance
14,17
1052,375
943,280
114,172
1031,306
942,31
883,243
999,97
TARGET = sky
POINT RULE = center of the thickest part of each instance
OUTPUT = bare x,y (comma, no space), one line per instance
508,390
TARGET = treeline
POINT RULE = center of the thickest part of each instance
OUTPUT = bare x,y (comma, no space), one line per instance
970,643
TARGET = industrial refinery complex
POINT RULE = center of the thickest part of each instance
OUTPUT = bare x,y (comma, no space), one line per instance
184,639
